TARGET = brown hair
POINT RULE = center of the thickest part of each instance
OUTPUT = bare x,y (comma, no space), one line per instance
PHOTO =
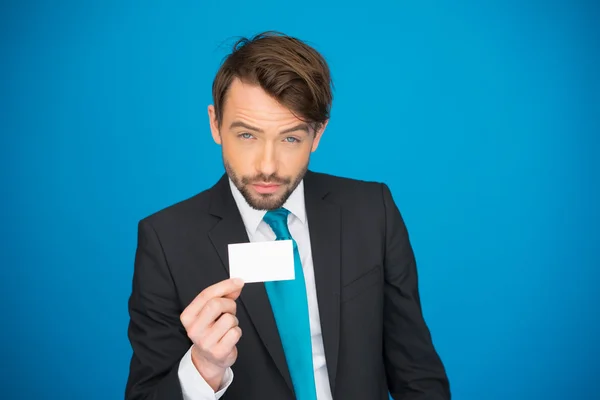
286,68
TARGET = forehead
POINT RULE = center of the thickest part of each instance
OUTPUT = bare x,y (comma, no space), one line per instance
251,103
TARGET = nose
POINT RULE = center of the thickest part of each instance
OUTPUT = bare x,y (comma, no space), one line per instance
267,161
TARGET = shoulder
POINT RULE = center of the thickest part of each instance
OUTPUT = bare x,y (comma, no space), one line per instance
348,190
366,200
183,215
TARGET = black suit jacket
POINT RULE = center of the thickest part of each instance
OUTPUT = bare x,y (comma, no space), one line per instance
373,330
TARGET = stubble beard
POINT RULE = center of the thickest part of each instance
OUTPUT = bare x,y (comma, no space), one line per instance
267,201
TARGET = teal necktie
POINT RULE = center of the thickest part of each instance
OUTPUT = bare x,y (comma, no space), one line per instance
290,308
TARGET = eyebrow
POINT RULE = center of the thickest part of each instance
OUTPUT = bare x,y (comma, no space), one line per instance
239,124
300,127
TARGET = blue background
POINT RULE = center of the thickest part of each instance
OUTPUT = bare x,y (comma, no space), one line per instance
482,116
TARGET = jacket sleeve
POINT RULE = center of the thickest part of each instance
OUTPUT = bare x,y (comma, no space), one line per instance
157,337
413,368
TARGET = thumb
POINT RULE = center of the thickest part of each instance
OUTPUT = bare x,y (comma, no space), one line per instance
234,295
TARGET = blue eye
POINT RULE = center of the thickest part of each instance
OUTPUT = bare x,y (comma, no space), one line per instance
291,139
245,136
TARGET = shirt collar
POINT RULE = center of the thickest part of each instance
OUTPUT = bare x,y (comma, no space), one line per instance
252,217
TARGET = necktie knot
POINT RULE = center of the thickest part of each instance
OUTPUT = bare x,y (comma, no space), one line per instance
277,220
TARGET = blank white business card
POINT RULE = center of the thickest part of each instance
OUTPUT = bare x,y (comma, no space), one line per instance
262,261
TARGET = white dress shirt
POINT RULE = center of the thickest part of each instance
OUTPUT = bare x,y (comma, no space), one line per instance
194,387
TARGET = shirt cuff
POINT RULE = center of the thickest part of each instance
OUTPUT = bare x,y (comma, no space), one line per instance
193,386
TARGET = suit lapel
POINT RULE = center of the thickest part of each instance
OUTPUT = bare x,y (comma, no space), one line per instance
230,229
324,220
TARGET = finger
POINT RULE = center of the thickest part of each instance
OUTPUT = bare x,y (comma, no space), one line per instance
211,313
219,329
228,342
219,289
234,295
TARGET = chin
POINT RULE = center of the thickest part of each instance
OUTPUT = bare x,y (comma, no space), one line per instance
267,202
270,201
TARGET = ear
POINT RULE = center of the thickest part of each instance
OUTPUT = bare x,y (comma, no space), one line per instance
214,126
318,135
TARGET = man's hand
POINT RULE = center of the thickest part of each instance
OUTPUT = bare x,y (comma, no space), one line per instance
211,324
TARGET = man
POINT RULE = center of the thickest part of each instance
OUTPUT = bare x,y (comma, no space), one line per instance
349,326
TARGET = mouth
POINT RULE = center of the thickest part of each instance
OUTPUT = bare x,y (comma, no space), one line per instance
265,188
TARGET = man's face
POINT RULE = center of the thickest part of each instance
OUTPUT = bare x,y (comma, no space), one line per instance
266,149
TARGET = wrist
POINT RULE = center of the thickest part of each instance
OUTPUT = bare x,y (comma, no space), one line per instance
211,373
